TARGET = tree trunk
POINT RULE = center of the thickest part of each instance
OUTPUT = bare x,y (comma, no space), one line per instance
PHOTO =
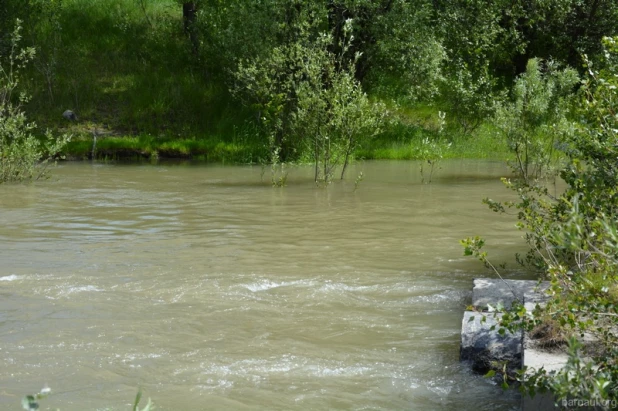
348,152
189,15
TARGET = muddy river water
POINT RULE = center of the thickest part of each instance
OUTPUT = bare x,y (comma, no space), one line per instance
210,289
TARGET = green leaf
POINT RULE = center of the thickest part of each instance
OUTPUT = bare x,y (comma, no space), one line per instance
138,397
490,374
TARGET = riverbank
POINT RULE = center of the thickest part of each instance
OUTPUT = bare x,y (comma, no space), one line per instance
246,146
139,82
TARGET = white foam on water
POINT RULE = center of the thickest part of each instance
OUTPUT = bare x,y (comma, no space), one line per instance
268,285
11,277
79,289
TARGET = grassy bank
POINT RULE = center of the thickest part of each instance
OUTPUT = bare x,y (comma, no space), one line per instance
128,70
125,66
421,144
246,145
239,147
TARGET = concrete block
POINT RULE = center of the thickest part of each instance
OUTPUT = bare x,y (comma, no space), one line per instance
483,347
494,291
536,358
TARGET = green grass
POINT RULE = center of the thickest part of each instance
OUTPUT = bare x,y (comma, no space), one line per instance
129,69
147,146
472,149
245,146
417,136
131,72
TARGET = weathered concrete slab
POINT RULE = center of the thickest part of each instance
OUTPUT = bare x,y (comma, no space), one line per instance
537,359
505,292
551,361
484,347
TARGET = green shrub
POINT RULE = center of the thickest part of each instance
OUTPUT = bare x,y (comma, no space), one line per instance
22,155
573,237
309,102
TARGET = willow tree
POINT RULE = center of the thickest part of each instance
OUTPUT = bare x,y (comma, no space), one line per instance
309,100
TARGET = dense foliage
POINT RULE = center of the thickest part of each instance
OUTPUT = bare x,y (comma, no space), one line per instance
573,235
172,72
309,100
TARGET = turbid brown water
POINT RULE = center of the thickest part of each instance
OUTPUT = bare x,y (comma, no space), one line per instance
210,289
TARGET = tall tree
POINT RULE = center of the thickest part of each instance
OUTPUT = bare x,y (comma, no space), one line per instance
189,16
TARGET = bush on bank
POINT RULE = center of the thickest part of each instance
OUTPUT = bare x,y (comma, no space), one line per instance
573,236
23,156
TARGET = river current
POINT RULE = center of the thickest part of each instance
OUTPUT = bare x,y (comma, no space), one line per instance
210,289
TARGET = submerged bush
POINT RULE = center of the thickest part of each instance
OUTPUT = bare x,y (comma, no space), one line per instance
309,101
23,156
